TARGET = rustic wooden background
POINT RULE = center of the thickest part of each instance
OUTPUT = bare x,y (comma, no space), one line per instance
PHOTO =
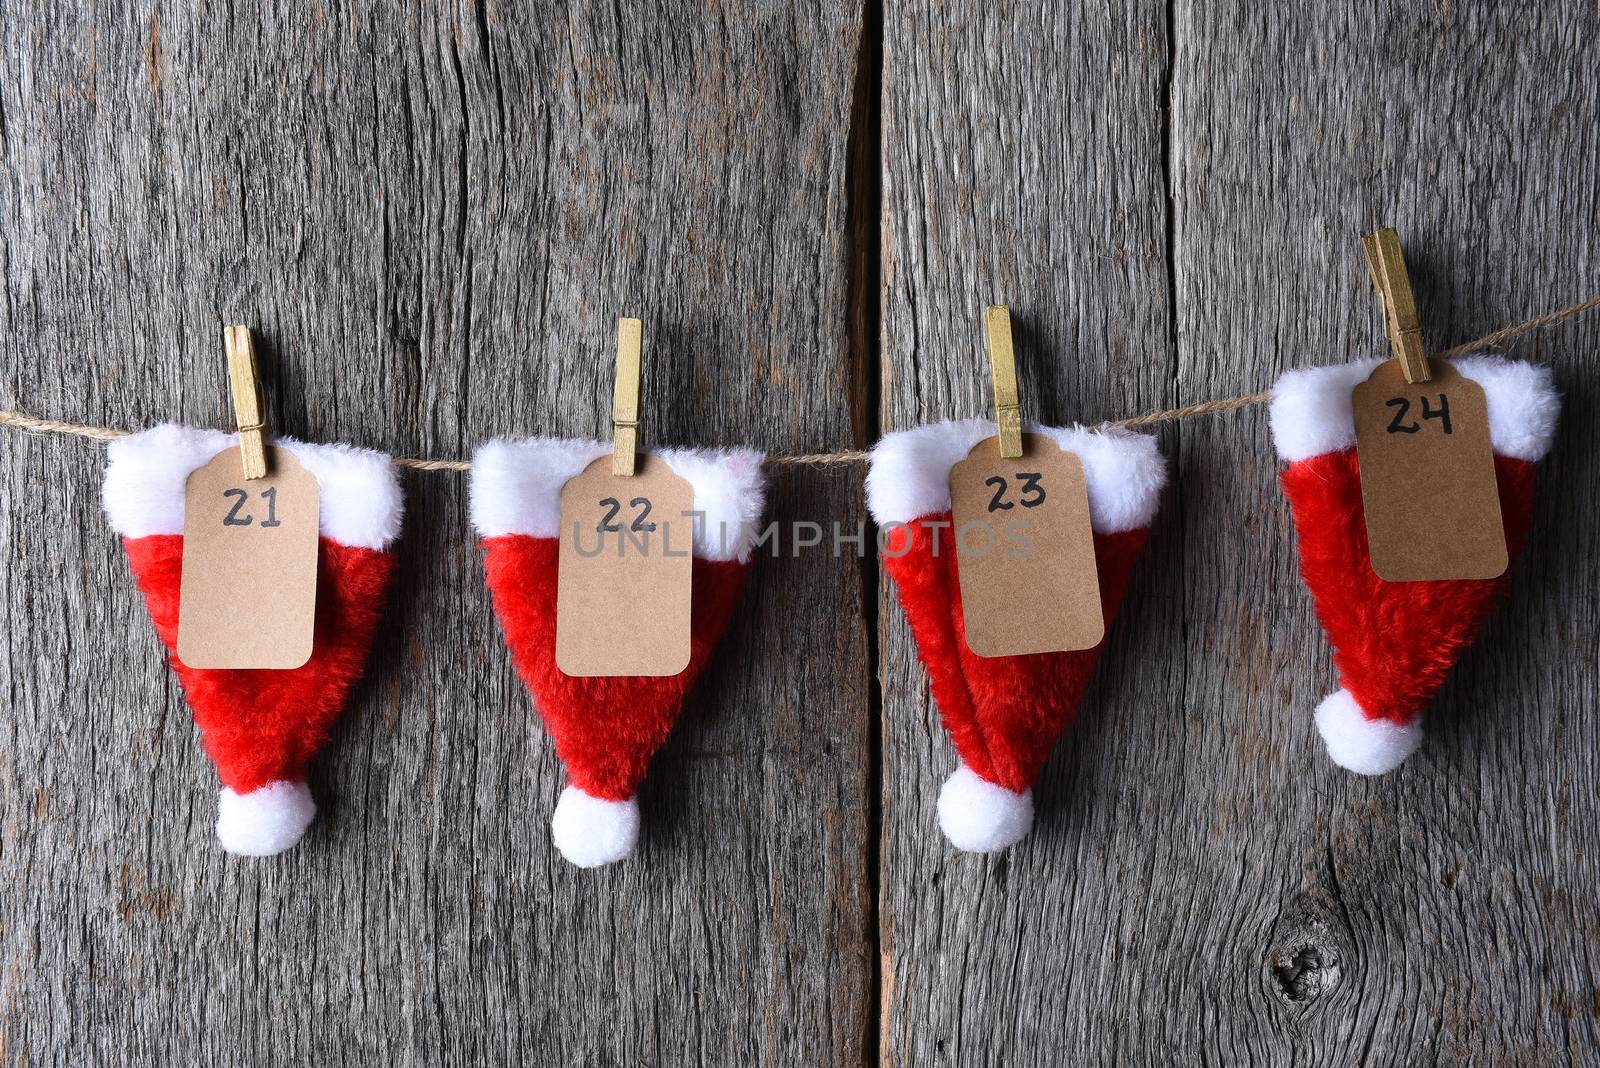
431,215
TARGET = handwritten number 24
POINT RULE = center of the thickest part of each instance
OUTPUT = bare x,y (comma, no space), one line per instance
1402,408
234,518
1032,493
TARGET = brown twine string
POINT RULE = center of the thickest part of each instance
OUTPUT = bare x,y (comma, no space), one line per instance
417,463
850,456
1490,340
1168,415
52,426
33,424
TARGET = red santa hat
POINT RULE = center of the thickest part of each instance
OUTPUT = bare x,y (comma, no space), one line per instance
605,729
1372,723
262,727
1003,713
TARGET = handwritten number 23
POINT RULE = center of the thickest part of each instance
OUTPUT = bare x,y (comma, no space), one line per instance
1402,408
239,497
1032,491
613,506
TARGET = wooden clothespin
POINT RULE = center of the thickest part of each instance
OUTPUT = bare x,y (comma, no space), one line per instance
244,383
625,398
1387,263
1003,370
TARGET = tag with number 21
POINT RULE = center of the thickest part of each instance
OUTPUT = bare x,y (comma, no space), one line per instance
248,597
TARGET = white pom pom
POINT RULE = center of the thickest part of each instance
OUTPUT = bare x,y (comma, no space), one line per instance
591,831
264,821
1365,746
980,817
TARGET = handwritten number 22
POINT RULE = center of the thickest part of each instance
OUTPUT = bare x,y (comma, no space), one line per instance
239,497
613,506
1402,408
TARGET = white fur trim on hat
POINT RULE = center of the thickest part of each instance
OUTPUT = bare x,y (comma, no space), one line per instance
981,817
359,490
590,831
909,475
264,821
146,474
1311,412
516,489
1364,746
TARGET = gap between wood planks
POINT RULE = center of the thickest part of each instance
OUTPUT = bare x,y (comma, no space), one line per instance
864,295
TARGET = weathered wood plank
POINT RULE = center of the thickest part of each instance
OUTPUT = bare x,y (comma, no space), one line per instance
431,216
1203,886
1447,913
1024,165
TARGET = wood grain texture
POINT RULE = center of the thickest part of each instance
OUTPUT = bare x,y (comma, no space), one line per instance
1024,165
431,216
1202,885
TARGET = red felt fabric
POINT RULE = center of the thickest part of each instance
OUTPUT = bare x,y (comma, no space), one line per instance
1394,642
605,729
263,726
1004,714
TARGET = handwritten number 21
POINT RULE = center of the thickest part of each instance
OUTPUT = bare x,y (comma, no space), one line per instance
239,497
